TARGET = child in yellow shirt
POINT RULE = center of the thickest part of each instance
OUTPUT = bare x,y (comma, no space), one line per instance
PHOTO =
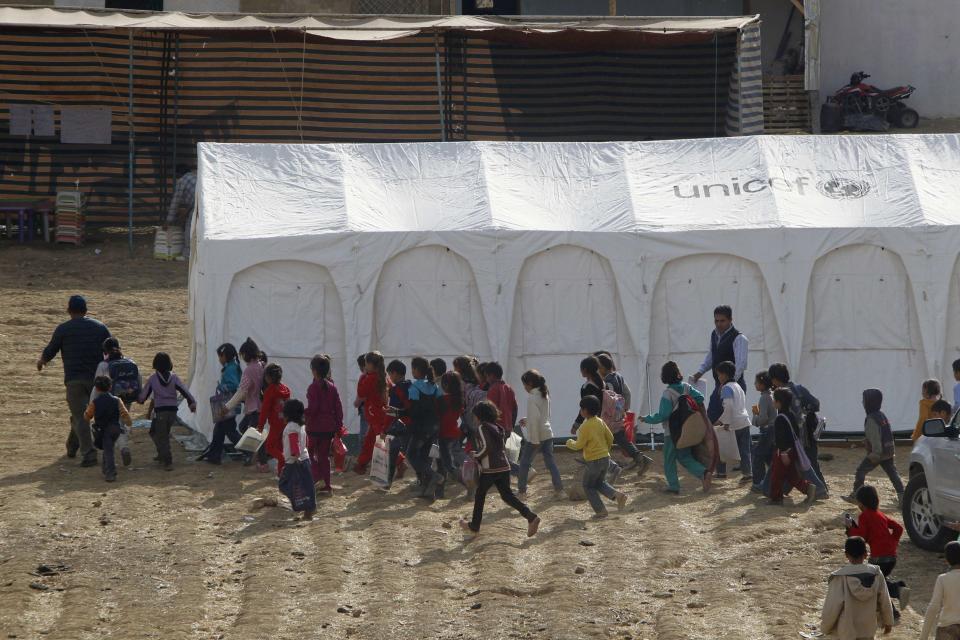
594,438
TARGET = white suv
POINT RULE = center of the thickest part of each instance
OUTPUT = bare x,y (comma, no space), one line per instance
932,497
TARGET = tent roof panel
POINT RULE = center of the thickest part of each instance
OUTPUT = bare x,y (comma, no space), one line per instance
763,182
352,27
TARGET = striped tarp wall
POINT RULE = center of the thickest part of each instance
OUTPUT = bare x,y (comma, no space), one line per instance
745,112
499,91
284,87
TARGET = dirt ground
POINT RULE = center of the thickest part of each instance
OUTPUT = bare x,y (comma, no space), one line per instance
178,554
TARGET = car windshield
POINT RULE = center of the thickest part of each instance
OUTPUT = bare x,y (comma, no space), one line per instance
955,423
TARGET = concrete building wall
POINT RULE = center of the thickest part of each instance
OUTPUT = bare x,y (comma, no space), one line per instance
774,15
897,43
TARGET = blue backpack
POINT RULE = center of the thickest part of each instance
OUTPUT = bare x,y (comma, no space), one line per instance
126,379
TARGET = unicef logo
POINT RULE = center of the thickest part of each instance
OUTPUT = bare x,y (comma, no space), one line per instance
843,188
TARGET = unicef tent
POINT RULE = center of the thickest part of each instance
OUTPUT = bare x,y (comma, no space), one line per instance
838,255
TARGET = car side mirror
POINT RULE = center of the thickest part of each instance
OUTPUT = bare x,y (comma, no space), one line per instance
935,428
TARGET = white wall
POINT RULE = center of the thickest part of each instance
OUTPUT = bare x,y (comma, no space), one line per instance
897,43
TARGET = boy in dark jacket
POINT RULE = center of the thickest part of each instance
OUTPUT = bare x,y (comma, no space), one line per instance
491,456
879,443
107,411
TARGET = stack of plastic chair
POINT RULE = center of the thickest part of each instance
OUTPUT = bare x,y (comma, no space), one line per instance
70,216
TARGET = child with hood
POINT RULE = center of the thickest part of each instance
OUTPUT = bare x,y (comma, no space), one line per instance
879,443
857,601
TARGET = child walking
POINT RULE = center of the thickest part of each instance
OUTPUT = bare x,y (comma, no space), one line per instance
399,429
878,439
857,601
226,425
501,394
883,536
943,614
296,481
107,412
930,393
372,396
491,456
538,434
125,377
450,436
164,385
735,417
274,397
764,415
424,395
789,458
324,418
249,390
594,438
670,375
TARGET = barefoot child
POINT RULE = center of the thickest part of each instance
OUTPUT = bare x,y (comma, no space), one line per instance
107,412
491,455
594,438
944,610
856,596
296,481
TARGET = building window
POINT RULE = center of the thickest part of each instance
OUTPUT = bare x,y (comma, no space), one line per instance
491,7
142,5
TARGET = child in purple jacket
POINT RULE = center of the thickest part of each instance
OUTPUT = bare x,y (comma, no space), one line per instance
324,417
164,385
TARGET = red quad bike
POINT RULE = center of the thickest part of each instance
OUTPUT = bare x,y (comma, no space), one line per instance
860,97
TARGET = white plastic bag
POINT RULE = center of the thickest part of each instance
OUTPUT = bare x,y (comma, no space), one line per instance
727,442
380,465
250,441
512,445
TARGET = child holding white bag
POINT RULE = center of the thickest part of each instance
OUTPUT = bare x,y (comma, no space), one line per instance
735,418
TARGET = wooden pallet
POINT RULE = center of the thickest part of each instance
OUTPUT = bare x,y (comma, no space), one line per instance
785,104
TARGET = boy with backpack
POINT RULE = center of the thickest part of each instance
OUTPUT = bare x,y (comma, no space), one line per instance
399,430
125,384
857,601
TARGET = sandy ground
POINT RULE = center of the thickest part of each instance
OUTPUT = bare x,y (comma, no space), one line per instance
178,555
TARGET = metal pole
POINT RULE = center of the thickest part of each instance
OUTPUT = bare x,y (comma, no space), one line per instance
176,104
130,143
436,55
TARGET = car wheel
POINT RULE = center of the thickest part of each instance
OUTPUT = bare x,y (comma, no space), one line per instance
925,528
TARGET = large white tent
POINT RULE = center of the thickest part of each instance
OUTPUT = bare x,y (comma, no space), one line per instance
838,255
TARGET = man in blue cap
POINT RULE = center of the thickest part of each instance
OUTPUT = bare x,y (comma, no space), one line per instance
79,341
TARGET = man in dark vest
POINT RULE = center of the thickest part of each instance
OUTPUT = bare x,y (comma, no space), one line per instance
79,341
726,345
